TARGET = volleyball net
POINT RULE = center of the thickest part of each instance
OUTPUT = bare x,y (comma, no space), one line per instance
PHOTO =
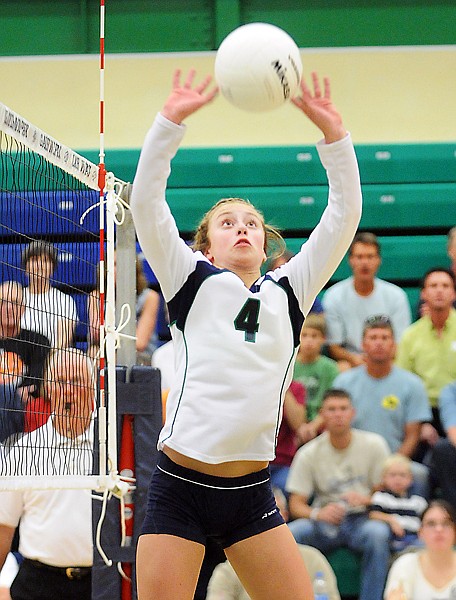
57,428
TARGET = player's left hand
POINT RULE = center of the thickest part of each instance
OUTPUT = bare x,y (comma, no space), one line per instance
318,106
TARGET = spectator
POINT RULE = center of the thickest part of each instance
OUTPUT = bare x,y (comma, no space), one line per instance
286,446
55,525
147,305
48,311
388,400
314,371
428,347
348,303
430,573
339,470
225,584
22,357
443,457
395,505
451,251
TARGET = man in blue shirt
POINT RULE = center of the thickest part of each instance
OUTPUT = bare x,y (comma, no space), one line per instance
388,400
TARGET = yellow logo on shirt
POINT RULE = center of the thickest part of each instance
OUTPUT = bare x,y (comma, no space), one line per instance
390,402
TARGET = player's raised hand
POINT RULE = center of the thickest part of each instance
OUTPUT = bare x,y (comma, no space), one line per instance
318,106
187,98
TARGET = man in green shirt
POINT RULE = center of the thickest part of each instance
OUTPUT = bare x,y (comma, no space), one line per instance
428,346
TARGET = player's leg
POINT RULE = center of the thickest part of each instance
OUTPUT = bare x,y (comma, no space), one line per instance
270,566
167,567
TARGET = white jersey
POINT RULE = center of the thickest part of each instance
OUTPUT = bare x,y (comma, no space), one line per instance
234,347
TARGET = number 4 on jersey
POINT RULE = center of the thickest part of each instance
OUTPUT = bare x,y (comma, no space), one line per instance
247,319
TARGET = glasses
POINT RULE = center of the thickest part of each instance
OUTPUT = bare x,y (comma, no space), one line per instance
434,524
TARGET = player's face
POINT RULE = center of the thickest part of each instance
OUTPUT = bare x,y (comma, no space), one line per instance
364,261
379,345
438,291
397,479
236,237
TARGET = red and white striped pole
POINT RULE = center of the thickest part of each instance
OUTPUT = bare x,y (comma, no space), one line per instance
102,185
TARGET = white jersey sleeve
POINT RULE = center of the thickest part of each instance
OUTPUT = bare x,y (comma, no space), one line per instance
168,255
320,256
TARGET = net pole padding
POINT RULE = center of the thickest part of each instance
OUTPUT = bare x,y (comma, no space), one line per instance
126,281
127,469
48,147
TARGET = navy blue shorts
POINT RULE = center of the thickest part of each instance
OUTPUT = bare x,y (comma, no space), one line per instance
195,506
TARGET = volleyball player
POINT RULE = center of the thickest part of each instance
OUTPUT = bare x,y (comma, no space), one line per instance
235,336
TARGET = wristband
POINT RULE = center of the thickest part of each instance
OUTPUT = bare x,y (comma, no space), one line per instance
314,514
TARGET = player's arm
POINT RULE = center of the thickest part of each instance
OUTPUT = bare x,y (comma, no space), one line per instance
168,255
319,257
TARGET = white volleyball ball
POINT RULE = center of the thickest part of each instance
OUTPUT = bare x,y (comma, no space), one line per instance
258,67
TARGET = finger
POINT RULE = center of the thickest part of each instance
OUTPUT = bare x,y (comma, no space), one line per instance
203,85
176,78
316,84
212,94
189,79
304,88
327,85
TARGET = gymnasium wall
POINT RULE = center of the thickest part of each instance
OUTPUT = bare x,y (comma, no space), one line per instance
397,95
71,26
392,66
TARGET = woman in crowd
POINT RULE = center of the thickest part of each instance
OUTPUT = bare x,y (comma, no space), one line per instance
429,574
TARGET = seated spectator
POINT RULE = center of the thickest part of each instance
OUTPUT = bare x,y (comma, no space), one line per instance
339,470
22,357
388,400
430,573
443,457
451,251
286,446
225,584
147,305
47,310
314,371
55,525
428,348
348,303
395,505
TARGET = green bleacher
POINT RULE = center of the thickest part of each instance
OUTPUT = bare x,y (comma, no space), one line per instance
409,193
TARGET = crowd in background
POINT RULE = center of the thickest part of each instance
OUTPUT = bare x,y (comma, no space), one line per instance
366,453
